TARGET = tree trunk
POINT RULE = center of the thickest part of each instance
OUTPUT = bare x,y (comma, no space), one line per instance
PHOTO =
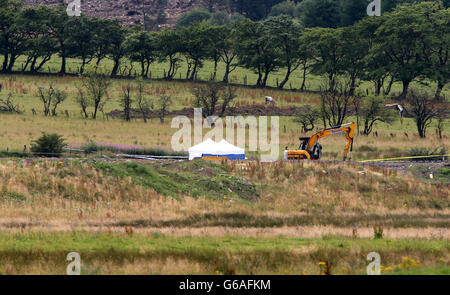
143,69
286,78
227,73
440,86
215,69
352,86
266,76
259,81
63,66
5,62
420,128
405,89
82,65
115,68
378,85
304,78
194,71
12,60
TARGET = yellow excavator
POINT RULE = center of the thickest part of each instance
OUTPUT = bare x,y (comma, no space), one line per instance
311,149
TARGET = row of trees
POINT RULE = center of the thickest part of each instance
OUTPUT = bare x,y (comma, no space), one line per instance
408,43
310,13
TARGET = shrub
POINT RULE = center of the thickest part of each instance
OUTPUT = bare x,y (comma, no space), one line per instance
191,17
48,145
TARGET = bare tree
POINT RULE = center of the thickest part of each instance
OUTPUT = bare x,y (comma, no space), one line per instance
307,118
372,110
9,106
126,101
51,98
143,103
164,102
214,98
335,98
424,109
83,101
96,86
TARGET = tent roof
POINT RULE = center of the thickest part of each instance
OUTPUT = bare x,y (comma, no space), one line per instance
211,147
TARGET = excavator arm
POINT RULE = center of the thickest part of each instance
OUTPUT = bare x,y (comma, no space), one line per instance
310,143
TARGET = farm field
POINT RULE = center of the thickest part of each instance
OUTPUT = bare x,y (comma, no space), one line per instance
177,217
393,140
205,218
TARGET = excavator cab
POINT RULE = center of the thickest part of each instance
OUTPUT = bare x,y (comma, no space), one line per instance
304,143
316,151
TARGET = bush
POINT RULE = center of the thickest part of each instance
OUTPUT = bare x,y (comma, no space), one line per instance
48,145
191,17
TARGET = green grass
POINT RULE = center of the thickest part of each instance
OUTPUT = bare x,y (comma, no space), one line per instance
275,255
237,77
196,178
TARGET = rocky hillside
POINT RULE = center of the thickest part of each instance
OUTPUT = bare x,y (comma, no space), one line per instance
126,11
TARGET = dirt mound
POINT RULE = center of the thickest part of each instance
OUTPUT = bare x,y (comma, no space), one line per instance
257,110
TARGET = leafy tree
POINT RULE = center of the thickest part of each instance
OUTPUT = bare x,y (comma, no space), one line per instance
288,7
355,48
284,33
12,38
399,38
253,9
168,44
191,17
141,47
48,145
81,40
102,30
256,50
327,51
320,13
116,51
196,47
58,29
217,36
38,44
375,61
435,46
228,51
352,11
220,18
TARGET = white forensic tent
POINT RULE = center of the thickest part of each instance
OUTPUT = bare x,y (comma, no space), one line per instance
210,148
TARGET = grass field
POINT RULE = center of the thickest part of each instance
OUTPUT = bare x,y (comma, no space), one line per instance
135,217
140,218
160,254
22,129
